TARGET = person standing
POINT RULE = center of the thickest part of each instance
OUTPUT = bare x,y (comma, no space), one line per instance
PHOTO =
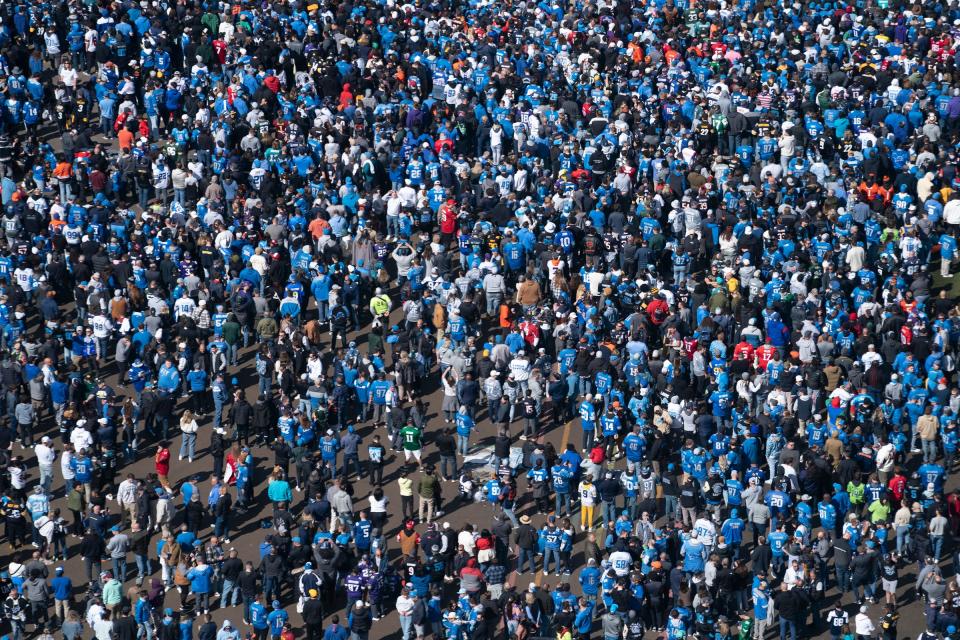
375,459
188,442
359,620
427,489
118,547
863,624
406,494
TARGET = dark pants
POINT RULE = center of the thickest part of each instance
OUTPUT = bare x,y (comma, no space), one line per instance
271,588
526,555
375,469
39,613
355,459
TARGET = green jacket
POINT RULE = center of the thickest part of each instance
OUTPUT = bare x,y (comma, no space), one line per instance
231,332
427,488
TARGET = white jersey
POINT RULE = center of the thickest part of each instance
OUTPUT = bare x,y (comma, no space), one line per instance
24,278
621,561
706,531
102,326
588,494
184,307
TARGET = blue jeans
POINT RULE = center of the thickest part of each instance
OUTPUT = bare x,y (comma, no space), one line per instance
263,385
46,478
609,510
671,506
493,303
936,542
221,527
903,537
356,464
843,579
229,587
787,625
583,385
463,444
406,623
143,565
188,445
562,500
120,569
929,448
323,310
247,601
145,630
523,557
587,440
271,588
448,463
549,553
217,413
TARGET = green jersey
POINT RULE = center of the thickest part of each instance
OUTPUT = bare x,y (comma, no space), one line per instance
410,437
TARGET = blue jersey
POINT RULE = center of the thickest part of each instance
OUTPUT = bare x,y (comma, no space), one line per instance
561,478
732,530
828,515
778,501
258,616
778,540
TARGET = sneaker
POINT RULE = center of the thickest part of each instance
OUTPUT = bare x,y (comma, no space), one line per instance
523,437
180,458
226,540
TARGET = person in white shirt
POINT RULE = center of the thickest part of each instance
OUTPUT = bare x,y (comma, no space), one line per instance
127,499
863,625
102,328
46,456
520,369
871,357
80,438
184,306
405,604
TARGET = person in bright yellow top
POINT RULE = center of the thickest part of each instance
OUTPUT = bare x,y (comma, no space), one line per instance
406,496
880,510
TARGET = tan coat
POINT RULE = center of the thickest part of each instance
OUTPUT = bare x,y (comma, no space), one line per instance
834,448
529,293
927,427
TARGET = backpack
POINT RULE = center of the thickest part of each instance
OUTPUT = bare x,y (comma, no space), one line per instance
590,244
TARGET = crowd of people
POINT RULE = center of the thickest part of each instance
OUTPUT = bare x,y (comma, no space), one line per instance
664,287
